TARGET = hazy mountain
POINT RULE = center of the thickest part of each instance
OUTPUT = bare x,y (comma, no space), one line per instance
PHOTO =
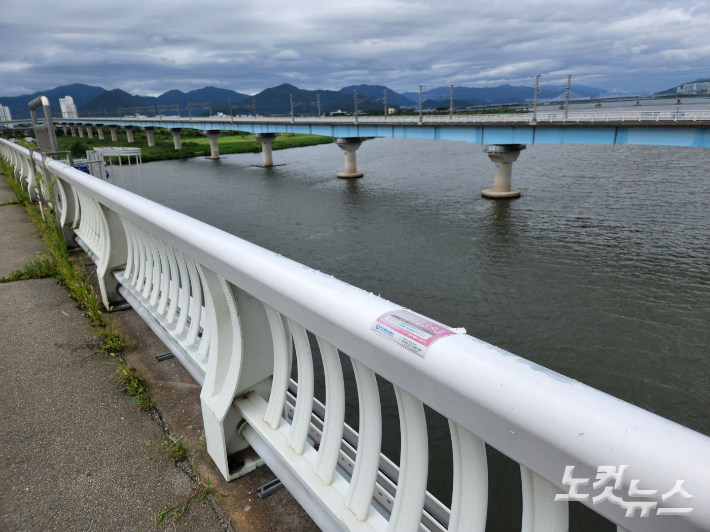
436,104
81,94
674,89
277,100
376,92
116,99
500,94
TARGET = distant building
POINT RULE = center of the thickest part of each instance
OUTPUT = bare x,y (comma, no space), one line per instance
338,113
5,113
68,107
391,110
695,88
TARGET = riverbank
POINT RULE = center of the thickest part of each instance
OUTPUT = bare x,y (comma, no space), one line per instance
194,143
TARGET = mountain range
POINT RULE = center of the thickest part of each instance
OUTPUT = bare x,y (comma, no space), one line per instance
501,94
82,94
276,100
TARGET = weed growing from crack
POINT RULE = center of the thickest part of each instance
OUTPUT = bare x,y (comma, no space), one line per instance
34,269
134,385
198,491
175,449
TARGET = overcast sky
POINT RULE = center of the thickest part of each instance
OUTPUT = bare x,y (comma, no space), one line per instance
150,46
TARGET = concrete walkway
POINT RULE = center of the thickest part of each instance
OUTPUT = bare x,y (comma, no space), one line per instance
75,454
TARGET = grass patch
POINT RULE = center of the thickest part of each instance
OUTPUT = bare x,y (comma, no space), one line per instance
194,144
198,491
34,269
175,449
134,385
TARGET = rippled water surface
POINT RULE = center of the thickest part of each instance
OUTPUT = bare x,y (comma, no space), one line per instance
599,271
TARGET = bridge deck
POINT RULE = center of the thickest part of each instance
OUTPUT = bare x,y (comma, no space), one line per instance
690,129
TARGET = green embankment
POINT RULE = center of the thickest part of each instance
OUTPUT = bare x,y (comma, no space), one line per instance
194,143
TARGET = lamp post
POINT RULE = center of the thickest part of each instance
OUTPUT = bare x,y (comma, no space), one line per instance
355,105
451,102
420,104
292,115
385,104
537,84
569,85
318,98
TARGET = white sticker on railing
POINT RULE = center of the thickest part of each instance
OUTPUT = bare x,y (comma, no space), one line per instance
412,331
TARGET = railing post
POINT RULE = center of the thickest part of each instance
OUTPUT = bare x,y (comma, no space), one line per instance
240,338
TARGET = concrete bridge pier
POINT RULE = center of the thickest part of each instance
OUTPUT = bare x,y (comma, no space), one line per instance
149,135
213,135
129,132
80,129
176,137
64,129
89,131
112,129
503,156
266,139
100,131
350,146
73,133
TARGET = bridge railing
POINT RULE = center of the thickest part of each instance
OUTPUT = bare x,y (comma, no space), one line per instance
542,116
234,314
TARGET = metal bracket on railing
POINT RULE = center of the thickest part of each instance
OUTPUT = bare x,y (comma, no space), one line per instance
269,488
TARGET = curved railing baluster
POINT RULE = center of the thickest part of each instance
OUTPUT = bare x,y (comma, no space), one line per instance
469,501
174,284
164,286
157,271
304,400
195,304
150,267
146,265
332,436
367,460
282,370
184,293
541,513
139,256
130,244
413,464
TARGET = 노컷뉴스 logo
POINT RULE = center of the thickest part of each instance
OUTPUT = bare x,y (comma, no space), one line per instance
606,474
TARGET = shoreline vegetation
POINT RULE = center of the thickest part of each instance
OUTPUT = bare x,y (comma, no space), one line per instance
194,143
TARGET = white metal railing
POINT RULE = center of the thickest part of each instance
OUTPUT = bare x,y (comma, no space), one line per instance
234,313
542,116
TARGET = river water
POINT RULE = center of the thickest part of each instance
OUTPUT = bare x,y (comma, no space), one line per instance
599,271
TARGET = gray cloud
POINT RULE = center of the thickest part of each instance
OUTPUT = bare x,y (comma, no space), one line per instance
150,47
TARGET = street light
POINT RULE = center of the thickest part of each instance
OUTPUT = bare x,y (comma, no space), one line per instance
420,103
451,102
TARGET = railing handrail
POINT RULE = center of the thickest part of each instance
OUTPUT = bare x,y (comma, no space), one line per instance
537,417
